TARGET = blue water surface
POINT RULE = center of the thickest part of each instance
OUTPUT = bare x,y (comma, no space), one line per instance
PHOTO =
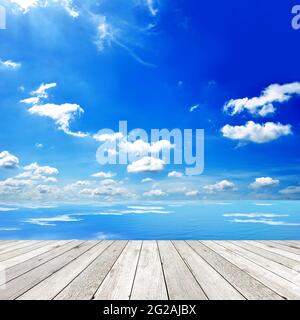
235,220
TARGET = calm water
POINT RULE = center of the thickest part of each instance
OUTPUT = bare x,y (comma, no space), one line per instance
198,220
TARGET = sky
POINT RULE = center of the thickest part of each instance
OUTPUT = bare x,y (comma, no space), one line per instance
69,69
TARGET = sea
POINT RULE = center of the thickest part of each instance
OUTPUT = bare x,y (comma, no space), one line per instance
201,220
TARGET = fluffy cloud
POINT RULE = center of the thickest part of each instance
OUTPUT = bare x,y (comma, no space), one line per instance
220,186
105,190
31,100
10,64
291,190
102,174
155,193
15,183
147,180
8,161
192,193
255,132
264,182
38,170
41,91
26,5
62,114
146,164
264,104
108,137
140,147
175,174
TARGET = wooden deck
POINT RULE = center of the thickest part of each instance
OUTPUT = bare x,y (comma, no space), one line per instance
150,270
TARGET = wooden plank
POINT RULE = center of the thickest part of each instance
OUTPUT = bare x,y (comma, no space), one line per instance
270,265
261,250
17,246
292,243
280,245
88,281
16,252
23,267
282,250
283,287
7,244
53,285
118,283
20,285
250,288
181,284
47,246
149,282
212,283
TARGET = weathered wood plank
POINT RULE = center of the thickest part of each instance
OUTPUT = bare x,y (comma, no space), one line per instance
181,284
149,283
20,285
31,254
250,288
4,244
270,265
88,281
21,268
261,250
291,251
16,252
18,246
53,285
283,287
212,283
118,283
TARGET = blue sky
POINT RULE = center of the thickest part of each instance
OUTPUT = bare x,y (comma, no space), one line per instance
71,68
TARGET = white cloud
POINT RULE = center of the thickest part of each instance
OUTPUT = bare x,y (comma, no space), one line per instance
49,221
193,108
7,209
255,215
175,174
41,91
155,193
152,6
264,182
62,114
264,104
8,161
39,170
26,5
39,145
192,193
111,137
265,221
105,175
15,183
145,180
220,186
10,64
146,164
32,100
109,188
290,190
140,147
255,132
